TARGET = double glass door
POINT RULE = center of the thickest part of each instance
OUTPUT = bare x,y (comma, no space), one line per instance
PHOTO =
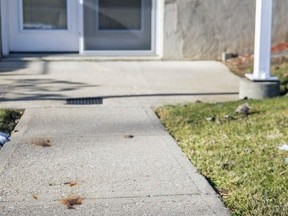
54,25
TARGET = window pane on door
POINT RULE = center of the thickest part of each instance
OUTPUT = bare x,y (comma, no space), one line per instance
45,14
119,14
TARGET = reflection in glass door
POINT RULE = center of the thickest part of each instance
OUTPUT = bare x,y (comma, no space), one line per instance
43,14
114,25
119,15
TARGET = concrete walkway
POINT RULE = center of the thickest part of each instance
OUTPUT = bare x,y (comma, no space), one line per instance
111,159
115,174
49,83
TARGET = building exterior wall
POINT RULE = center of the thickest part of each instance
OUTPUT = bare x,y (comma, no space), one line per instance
203,29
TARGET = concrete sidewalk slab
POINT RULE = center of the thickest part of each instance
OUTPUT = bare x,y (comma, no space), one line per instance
117,157
49,83
92,121
144,174
183,205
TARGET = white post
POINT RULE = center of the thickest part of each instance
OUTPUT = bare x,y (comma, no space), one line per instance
263,39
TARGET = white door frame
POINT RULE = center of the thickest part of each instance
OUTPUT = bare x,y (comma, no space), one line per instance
5,27
157,32
43,40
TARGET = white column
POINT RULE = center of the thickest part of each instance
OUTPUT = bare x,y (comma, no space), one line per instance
81,25
263,39
4,27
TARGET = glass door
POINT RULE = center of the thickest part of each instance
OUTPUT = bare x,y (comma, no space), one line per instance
44,15
43,25
113,25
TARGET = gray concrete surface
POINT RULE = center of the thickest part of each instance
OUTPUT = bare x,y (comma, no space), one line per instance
45,82
115,175
258,90
89,146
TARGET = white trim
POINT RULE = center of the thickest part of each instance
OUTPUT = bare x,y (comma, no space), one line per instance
43,40
81,25
256,79
159,28
4,27
263,38
119,53
153,26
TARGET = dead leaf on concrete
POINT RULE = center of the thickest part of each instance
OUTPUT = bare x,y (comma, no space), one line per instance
128,136
35,197
71,183
42,142
72,201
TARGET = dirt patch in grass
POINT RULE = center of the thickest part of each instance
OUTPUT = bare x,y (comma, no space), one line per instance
280,48
239,155
9,119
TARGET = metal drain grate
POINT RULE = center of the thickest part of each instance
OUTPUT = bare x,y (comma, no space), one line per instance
84,101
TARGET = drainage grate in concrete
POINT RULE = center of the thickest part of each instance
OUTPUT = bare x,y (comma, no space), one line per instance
84,101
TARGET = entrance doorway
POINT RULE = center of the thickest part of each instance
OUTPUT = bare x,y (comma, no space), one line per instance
97,27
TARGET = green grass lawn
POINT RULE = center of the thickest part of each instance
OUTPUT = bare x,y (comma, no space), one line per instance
8,120
238,154
281,71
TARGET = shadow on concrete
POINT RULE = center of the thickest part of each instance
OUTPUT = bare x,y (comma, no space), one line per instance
39,55
36,97
61,97
102,98
169,95
33,85
12,66
42,89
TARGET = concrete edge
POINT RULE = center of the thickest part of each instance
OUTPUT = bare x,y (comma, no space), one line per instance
211,201
154,119
188,167
200,181
103,199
